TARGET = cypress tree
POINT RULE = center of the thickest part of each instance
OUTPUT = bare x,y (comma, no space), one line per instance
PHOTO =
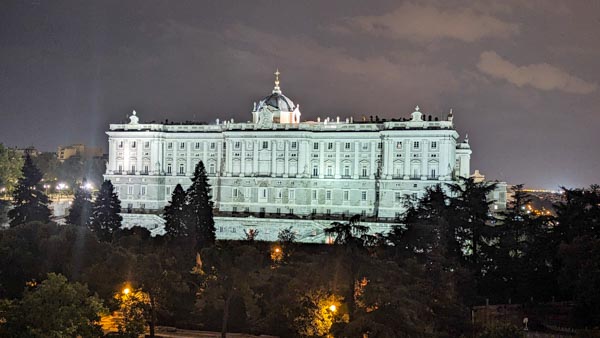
30,204
81,210
175,215
199,207
106,209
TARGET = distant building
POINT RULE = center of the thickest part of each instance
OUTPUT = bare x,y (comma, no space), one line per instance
31,151
278,171
499,197
78,150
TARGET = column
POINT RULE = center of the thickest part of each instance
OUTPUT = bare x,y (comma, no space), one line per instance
219,151
373,166
425,160
243,159
189,170
407,144
355,173
138,165
255,159
273,158
112,151
337,167
205,154
228,149
286,160
321,159
303,152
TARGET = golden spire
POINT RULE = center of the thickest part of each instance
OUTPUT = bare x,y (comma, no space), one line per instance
277,89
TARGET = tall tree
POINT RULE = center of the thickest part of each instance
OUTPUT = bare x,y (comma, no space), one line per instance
29,201
10,168
472,215
175,215
106,209
200,209
81,210
352,237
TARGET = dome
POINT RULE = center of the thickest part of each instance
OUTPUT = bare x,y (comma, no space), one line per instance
278,101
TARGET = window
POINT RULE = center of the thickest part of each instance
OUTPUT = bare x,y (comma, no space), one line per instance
314,211
168,191
181,169
234,209
346,170
169,168
211,168
365,146
130,189
145,169
315,171
294,145
398,145
433,173
347,146
416,144
170,145
248,192
363,196
346,195
265,145
143,190
197,145
379,145
316,146
120,168
279,193
314,195
264,192
133,168
181,145
234,193
213,145
291,211
328,195
133,144
434,145
278,211
328,211
329,170
142,206
121,144
365,171
146,145
291,194
398,196
330,146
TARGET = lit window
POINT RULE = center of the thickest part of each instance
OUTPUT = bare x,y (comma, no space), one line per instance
398,145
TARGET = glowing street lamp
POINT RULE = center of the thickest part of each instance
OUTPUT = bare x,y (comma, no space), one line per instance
332,308
126,291
88,186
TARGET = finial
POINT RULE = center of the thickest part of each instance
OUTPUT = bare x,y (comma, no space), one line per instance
450,111
134,113
467,138
417,108
277,89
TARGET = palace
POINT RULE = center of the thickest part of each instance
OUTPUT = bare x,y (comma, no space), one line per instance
277,171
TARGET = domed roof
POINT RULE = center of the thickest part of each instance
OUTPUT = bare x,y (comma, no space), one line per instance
278,101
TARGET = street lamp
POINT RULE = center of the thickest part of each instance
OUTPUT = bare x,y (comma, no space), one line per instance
88,186
126,291
60,187
332,308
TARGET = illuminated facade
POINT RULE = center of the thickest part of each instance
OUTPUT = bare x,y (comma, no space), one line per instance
277,167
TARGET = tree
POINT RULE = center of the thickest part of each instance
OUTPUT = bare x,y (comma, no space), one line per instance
81,210
352,237
55,308
10,168
200,209
175,215
30,204
471,215
106,209
134,307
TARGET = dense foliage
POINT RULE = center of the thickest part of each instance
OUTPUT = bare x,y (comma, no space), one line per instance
30,204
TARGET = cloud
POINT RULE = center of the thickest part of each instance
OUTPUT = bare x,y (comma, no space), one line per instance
420,23
541,75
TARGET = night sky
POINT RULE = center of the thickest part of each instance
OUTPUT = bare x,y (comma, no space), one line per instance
522,77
